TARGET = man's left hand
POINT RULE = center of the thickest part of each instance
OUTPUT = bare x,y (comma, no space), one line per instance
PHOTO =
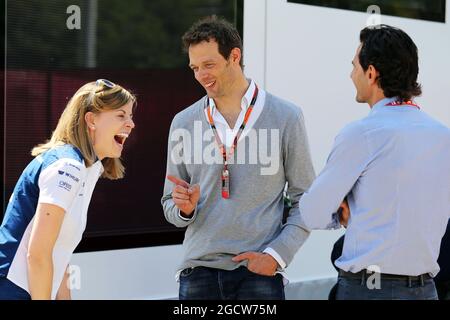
260,263
344,213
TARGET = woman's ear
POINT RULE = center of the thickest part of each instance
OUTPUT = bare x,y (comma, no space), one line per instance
89,117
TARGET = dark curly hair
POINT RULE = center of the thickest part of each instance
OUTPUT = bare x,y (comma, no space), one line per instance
394,55
212,27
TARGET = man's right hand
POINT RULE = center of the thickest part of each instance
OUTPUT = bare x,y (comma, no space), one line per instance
184,195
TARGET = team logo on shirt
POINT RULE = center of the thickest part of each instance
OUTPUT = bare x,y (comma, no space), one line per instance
72,165
65,185
67,174
72,177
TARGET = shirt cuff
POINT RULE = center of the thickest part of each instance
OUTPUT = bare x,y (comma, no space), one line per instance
276,256
335,223
184,218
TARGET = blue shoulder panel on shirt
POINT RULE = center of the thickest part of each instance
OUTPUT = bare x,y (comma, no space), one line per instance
63,152
22,207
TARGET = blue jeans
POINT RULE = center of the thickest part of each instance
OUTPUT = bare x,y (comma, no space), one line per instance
10,291
390,289
203,283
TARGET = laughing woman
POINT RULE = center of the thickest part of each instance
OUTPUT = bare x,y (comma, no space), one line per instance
46,215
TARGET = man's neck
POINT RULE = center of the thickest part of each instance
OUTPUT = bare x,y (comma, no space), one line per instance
377,96
231,103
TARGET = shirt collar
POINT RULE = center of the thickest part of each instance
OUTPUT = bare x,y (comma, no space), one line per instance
246,99
99,164
383,103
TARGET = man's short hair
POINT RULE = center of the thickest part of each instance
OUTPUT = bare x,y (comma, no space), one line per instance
394,55
214,28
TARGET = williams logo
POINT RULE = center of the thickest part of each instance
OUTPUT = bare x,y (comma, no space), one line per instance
72,177
67,174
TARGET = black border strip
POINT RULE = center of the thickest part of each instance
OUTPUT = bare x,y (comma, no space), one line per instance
130,241
386,9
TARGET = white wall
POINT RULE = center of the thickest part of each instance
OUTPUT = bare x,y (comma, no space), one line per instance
143,273
303,54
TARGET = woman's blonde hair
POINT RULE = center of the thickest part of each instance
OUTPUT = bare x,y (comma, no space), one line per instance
72,128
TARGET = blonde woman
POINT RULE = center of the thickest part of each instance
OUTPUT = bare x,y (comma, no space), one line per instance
46,215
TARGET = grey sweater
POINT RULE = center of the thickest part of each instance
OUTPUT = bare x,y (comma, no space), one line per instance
251,219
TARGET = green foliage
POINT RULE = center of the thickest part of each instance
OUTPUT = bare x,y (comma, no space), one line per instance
133,34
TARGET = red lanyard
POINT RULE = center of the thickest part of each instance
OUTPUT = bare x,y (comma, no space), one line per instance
222,148
402,103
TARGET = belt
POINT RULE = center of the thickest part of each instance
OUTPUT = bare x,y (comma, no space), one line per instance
364,274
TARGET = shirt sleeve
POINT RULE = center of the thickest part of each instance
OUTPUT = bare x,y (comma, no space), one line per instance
60,182
299,174
345,164
277,257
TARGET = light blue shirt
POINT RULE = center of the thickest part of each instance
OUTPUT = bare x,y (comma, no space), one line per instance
394,168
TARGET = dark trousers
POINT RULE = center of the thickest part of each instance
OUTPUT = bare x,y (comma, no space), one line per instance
203,283
352,288
442,279
10,291
399,289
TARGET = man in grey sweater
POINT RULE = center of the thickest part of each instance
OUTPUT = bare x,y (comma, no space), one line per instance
230,155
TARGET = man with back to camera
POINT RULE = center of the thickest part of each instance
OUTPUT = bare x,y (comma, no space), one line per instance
393,167
235,244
